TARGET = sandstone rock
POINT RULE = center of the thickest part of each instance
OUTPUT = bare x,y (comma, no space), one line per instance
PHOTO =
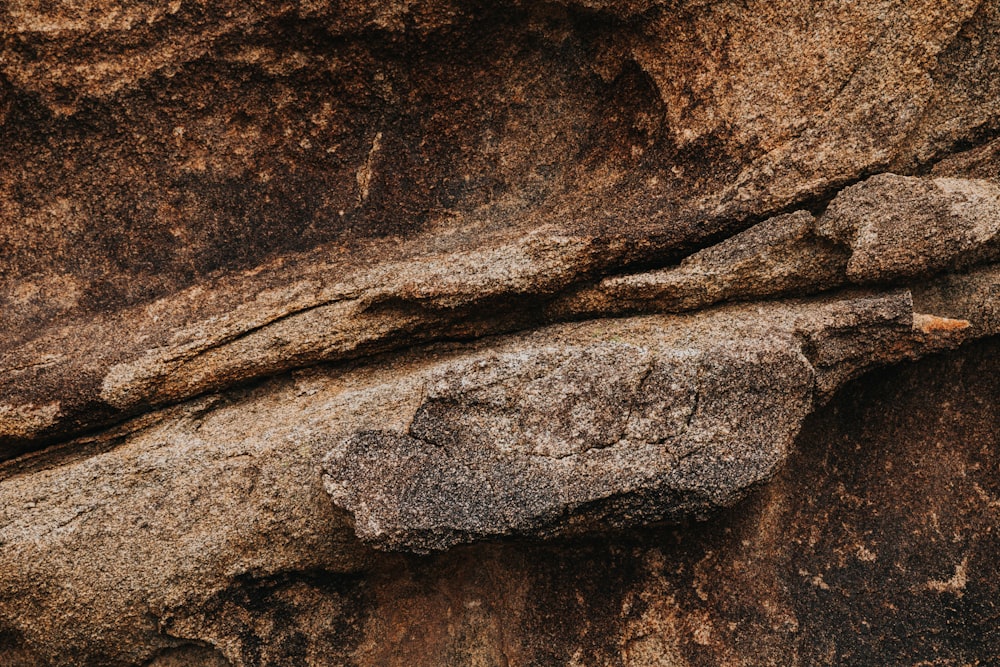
782,255
606,424
612,424
884,229
178,148
600,435
867,490
278,318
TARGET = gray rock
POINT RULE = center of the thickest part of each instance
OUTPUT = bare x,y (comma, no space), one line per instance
611,424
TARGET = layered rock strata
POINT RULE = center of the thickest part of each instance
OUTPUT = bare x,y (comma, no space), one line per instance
449,333
274,320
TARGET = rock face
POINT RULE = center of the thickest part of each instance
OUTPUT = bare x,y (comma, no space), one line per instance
613,423
451,333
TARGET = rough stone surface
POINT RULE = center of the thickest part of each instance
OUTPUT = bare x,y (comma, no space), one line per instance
613,423
601,434
882,522
900,227
431,332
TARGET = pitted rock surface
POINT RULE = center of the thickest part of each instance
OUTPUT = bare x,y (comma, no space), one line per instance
609,434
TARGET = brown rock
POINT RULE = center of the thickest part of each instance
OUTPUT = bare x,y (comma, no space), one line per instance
281,282
899,227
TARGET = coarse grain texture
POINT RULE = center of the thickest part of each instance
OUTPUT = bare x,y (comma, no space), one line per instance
450,332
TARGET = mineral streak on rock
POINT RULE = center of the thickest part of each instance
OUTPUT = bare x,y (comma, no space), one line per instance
932,323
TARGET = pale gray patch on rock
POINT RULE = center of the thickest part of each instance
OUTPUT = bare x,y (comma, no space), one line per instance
551,402
545,440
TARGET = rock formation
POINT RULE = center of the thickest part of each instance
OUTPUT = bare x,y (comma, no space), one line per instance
582,332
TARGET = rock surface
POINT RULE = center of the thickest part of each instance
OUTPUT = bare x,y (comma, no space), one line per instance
613,423
584,297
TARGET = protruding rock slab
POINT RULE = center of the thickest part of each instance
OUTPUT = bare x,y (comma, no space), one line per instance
201,199
609,434
611,423
906,227
880,231
570,428
330,309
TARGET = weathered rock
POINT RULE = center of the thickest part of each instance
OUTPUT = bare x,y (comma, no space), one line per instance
882,230
612,424
900,227
580,436
876,507
875,544
148,149
280,318
568,429
979,289
281,282
781,255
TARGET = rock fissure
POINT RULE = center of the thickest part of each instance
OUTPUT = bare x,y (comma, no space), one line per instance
245,333
804,267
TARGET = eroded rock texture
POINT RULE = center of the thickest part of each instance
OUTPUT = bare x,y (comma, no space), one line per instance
437,332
